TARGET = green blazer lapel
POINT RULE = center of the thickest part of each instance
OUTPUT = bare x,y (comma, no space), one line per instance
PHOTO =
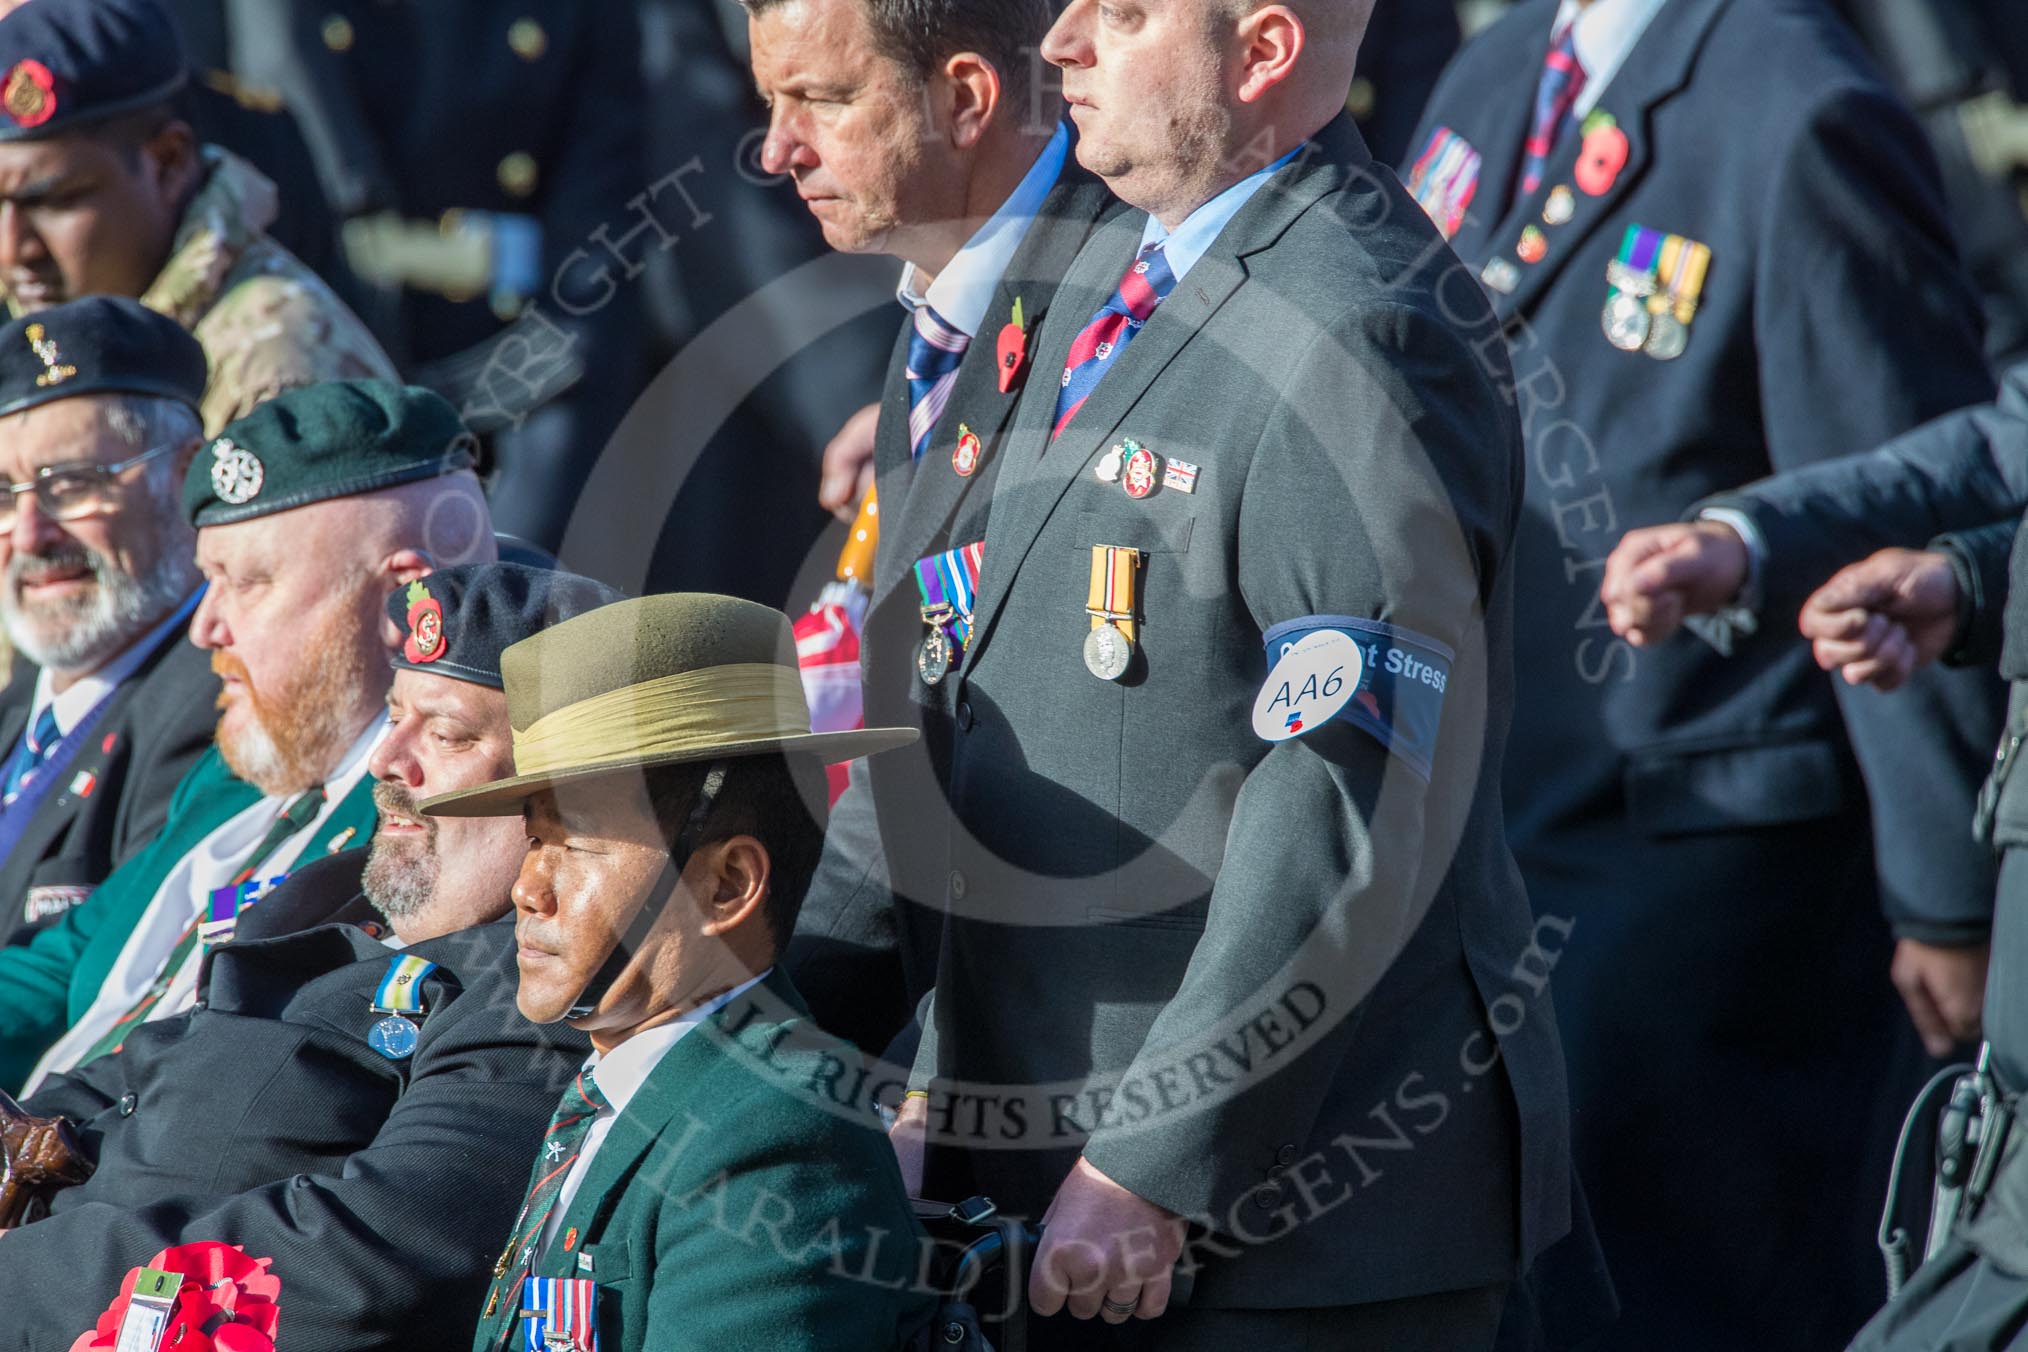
653,1121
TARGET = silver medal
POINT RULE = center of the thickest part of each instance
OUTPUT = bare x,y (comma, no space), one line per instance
394,1038
1107,652
1626,322
933,656
1668,336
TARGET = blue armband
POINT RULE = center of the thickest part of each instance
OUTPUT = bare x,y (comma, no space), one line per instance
1384,679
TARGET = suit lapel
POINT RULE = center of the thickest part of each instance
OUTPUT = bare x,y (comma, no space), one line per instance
1656,69
1040,471
1504,114
1068,216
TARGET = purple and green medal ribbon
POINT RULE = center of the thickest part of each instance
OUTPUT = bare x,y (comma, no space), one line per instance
1640,249
949,582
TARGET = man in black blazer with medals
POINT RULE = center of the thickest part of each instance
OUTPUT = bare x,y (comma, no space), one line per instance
1717,246
1236,970
108,706
371,1145
986,220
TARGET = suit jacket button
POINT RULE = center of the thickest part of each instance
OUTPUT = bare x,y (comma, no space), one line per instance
1276,1170
965,716
1286,1155
128,1103
1266,1195
958,885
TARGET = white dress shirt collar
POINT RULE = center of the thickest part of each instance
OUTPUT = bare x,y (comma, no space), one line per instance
1607,31
963,291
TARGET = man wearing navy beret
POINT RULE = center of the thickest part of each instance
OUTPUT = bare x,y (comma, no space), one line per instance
377,1155
307,512
112,193
108,708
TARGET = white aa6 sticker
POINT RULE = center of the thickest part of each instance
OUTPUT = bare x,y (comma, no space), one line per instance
1315,677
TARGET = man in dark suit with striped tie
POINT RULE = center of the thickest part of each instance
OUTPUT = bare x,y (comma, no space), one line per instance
986,206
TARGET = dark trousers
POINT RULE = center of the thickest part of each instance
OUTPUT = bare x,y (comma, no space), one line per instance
1450,1321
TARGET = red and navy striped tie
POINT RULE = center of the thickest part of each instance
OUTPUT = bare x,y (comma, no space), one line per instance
1562,83
935,349
560,1146
1147,284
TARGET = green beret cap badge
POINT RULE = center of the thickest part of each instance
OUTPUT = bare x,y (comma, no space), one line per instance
236,473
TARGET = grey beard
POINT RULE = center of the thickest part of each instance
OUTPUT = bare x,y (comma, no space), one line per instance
84,634
401,879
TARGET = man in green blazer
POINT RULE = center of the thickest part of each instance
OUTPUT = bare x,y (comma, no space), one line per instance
704,1183
308,512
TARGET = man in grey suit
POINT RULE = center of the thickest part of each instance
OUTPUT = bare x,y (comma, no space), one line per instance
956,161
1237,969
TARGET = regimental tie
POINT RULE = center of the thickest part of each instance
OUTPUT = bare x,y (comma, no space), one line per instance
580,1108
299,814
1146,285
1555,100
41,743
935,350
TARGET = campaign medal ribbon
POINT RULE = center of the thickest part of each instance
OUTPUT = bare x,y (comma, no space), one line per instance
399,997
1626,319
1681,271
949,585
1115,578
223,907
560,1314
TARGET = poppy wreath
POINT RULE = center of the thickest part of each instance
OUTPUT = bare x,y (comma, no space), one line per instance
228,1302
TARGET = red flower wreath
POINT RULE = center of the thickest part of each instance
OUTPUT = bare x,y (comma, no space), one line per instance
228,1302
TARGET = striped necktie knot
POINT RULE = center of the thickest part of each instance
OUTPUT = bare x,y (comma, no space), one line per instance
935,350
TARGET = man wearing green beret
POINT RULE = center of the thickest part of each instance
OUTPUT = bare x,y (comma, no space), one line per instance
697,1189
112,193
308,512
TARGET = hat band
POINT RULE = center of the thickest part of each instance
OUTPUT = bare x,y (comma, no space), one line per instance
686,711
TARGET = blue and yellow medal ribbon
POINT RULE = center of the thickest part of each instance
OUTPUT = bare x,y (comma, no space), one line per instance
400,990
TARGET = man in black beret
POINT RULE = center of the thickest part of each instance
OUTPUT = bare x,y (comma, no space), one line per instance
378,1154
107,708
307,511
112,193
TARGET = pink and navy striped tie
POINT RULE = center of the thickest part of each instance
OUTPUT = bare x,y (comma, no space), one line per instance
1562,83
1147,284
935,350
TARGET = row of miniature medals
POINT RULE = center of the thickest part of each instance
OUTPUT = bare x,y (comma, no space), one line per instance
949,582
1656,281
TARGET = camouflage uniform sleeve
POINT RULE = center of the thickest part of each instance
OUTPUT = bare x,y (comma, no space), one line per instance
272,332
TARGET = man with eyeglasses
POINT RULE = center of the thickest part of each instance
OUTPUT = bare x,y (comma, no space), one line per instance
98,420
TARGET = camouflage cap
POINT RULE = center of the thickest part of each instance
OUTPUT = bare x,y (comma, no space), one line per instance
333,440
66,63
98,345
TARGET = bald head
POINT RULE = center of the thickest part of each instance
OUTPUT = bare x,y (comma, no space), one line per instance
1177,100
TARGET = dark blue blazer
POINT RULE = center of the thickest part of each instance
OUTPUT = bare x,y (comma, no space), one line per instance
1834,316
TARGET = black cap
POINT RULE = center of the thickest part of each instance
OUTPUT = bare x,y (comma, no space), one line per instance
332,440
457,621
98,345
65,63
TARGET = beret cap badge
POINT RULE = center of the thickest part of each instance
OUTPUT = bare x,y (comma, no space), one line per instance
236,473
54,372
425,626
30,94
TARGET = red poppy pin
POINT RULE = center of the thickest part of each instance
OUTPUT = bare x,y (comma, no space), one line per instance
1602,155
30,94
1013,351
425,626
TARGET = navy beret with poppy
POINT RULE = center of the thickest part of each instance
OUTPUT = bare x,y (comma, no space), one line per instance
457,621
97,345
68,63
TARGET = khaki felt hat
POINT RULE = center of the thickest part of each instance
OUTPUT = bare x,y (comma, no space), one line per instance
664,680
